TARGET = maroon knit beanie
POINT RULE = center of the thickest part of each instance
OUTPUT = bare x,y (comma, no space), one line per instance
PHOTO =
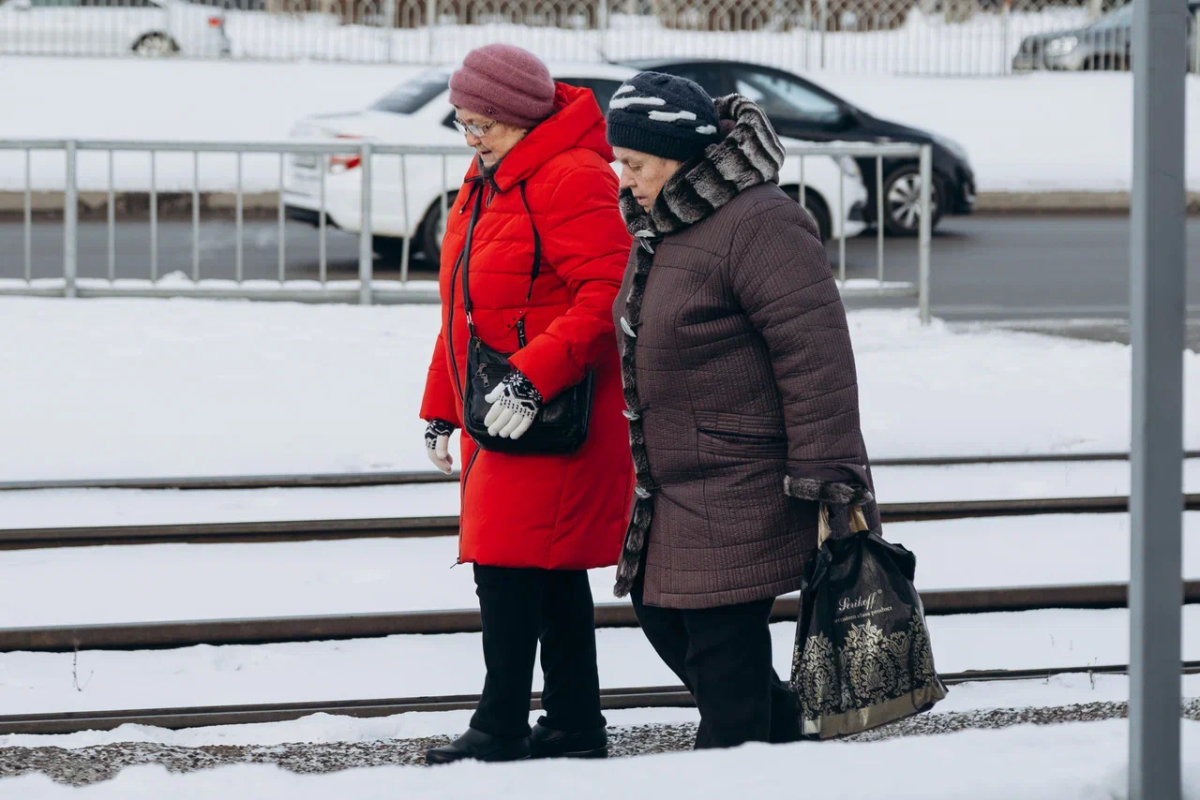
506,83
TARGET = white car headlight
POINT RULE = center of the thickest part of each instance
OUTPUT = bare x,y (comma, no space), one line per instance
1062,46
849,167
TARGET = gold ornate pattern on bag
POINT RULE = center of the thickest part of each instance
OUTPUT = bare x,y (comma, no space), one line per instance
869,670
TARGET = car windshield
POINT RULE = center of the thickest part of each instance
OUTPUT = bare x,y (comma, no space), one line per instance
779,96
412,95
1121,18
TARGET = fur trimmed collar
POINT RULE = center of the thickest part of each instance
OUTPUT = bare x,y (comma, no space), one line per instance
749,155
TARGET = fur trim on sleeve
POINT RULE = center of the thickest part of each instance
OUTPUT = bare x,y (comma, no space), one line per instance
835,493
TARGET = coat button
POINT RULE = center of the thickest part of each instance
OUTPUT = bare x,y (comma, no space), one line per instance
625,326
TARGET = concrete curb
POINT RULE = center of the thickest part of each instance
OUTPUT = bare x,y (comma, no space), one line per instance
178,205
1063,202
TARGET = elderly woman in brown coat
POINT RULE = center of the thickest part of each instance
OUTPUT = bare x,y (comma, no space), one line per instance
740,390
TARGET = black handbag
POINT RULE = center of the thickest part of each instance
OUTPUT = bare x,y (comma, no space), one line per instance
561,426
862,656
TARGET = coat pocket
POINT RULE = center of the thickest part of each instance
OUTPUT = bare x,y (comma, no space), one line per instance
742,438
720,448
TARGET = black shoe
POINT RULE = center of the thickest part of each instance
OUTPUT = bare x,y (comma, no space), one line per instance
479,746
548,743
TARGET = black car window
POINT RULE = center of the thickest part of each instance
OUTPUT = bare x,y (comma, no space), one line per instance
707,75
411,96
784,97
603,88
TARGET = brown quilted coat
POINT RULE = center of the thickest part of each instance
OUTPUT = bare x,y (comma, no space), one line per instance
739,378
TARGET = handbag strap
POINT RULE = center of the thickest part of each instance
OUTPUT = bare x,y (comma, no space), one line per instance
537,244
466,259
477,197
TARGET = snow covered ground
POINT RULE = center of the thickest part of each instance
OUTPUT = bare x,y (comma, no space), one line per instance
1069,132
112,584
399,666
65,508
129,388
1079,761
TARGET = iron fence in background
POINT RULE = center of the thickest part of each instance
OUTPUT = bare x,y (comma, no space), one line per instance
926,37
370,188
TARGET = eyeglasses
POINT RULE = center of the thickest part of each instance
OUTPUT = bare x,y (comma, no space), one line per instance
478,131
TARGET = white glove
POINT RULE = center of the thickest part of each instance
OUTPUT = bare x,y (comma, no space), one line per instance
515,405
437,444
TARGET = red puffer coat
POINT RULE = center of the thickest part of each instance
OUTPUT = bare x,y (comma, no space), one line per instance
547,511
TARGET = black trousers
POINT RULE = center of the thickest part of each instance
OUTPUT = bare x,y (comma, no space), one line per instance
723,657
520,607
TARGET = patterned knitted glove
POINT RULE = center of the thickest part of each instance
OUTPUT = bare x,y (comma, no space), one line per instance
437,444
515,404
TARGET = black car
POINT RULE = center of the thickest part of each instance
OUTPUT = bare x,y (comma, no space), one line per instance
802,110
1106,44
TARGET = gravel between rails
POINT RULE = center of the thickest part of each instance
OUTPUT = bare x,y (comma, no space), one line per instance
81,766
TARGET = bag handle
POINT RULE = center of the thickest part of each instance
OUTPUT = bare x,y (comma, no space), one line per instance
858,522
466,259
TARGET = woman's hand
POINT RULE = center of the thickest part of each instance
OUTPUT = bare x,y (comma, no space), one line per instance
437,444
515,404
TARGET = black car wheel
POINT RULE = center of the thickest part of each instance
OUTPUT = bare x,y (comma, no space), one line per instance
433,229
388,251
902,201
156,45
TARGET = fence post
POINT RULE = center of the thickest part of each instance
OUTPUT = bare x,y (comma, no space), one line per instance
70,225
366,249
808,26
1006,58
824,24
1158,271
1196,42
389,13
926,232
431,8
602,27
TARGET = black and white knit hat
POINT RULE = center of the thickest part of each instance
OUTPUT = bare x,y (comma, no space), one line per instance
662,115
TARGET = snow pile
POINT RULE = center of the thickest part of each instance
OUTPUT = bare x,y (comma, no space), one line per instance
122,388
1080,761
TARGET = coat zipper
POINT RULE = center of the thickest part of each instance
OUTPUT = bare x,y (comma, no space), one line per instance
450,330
454,367
462,397
463,499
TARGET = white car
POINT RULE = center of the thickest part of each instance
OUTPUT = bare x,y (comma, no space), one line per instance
418,112
112,27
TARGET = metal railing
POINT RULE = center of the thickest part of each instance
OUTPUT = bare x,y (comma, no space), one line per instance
935,37
361,160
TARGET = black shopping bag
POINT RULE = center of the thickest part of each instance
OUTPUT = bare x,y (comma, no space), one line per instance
862,655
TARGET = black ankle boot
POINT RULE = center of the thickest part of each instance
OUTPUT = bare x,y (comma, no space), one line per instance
479,746
549,743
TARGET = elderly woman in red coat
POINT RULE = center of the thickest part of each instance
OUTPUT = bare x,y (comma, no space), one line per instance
532,524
